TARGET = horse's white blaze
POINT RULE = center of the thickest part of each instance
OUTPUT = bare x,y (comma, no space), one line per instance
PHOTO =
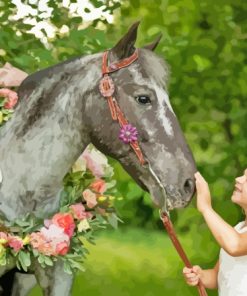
161,113
161,96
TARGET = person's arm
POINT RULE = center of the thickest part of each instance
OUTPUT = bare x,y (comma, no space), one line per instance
208,277
229,239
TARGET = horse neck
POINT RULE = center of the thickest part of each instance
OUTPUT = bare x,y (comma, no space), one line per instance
46,135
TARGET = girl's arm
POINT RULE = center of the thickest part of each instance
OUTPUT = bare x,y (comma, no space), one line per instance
208,277
230,240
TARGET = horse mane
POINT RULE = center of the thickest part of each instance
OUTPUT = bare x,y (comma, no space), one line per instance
33,80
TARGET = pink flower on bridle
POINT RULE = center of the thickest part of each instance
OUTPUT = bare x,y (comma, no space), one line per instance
128,133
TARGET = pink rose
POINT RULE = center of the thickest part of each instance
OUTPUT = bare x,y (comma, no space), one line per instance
65,221
90,198
99,186
50,241
11,96
54,232
36,239
15,243
95,162
40,243
78,210
62,248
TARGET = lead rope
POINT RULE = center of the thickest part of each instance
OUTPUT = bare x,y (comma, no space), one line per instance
171,232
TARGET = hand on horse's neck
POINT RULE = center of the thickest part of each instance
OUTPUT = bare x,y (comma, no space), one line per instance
34,164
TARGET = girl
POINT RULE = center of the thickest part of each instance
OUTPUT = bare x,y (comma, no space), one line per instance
229,274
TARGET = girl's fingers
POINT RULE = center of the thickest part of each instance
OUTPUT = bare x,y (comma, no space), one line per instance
195,279
191,275
199,177
196,269
193,283
187,270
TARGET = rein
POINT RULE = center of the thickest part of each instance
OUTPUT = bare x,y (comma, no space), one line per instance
107,89
172,234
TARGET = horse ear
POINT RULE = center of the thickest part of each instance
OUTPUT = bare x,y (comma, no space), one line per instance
154,44
125,46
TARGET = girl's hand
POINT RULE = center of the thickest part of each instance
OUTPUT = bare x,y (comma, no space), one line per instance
192,275
203,193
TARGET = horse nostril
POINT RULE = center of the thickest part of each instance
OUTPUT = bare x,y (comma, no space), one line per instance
189,186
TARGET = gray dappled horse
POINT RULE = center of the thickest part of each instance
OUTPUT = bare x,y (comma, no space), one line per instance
61,111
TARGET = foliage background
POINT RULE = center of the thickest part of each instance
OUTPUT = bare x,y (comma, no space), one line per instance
204,42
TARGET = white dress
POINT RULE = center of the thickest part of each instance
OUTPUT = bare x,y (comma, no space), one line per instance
232,276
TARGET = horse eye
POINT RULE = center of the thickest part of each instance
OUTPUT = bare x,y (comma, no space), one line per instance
143,100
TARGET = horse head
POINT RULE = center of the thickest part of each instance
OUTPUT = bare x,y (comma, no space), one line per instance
141,93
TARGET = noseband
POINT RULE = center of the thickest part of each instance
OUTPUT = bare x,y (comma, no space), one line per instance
128,133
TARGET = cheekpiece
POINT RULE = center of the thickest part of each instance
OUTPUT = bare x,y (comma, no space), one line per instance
106,86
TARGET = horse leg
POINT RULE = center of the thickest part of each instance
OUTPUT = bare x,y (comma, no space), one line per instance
53,280
23,283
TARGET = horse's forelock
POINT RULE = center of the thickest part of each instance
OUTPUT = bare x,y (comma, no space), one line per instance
154,66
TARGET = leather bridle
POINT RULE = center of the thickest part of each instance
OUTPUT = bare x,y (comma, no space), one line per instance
107,90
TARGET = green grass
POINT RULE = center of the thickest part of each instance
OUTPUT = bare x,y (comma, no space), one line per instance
132,262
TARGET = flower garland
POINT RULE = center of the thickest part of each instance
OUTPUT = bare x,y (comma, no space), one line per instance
86,205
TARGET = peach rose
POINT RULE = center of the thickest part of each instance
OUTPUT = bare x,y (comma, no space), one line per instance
99,186
90,198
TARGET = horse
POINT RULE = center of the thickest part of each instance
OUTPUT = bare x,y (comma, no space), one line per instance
61,110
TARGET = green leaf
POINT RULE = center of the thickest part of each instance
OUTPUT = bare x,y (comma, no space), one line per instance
41,259
35,253
24,259
113,220
77,265
67,268
48,261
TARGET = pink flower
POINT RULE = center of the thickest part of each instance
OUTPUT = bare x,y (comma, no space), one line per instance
36,239
90,198
58,240
50,241
11,96
95,161
41,244
15,243
54,232
65,221
62,248
78,210
99,186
